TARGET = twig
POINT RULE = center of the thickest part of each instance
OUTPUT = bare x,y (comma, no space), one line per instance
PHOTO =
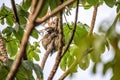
24,41
73,31
67,22
15,11
49,49
93,20
85,53
60,47
56,10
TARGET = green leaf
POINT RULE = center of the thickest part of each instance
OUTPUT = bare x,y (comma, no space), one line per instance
8,31
107,66
70,60
36,56
94,68
38,71
84,63
3,72
22,20
99,43
44,8
34,33
9,20
63,65
74,50
67,33
80,33
26,4
22,14
5,11
1,21
93,2
18,32
53,4
25,71
110,3
12,47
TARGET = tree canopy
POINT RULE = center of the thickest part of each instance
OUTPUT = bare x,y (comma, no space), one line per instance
75,42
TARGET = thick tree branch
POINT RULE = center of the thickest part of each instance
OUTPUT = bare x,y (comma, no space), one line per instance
60,46
33,6
15,12
24,41
93,20
56,10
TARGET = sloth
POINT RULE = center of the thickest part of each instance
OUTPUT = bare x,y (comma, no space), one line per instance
50,36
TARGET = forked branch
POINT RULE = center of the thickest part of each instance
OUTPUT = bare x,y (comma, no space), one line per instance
30,25
24,41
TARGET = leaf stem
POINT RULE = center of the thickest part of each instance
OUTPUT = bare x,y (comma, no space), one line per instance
93,20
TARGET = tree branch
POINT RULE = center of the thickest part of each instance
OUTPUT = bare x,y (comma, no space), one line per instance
24,41
60,47
33,6
59,56
73,32
15,12
56,10
49,49
93,20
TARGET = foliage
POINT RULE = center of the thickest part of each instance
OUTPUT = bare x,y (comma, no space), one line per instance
25,71
82,49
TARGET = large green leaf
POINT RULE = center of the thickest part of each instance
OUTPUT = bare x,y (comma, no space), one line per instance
38,71
81,32
99,43
84,63
34,33
8,31
53,4
18,32
7,13
63,63
10,20
26,4
110,3
93,2
25,71
44,8
12,47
